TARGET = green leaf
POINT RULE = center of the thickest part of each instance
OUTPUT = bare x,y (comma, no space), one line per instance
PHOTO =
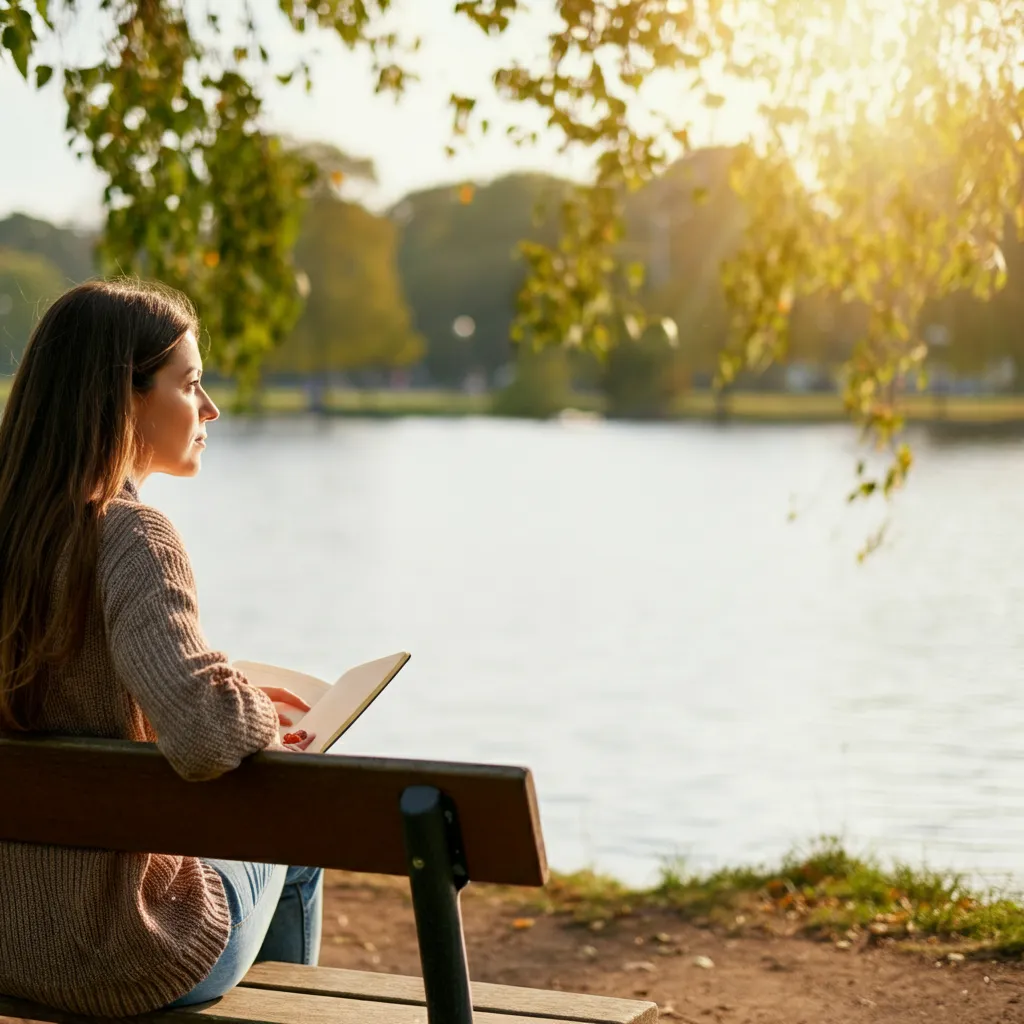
19,45
43,74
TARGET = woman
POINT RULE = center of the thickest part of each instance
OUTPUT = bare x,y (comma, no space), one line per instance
100,636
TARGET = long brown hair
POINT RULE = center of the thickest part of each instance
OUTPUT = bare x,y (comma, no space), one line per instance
67,447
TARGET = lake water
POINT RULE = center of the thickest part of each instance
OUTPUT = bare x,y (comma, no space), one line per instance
635,614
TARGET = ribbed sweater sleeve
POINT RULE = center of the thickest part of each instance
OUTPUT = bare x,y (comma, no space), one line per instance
207,718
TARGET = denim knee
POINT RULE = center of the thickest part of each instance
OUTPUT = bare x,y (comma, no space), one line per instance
303,876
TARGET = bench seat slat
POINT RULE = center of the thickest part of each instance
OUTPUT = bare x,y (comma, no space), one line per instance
503,999
273,993
267,1006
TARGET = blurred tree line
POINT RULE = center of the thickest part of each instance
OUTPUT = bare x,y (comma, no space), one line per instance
429,288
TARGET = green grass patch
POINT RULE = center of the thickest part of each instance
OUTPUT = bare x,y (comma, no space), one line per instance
407,403
823,890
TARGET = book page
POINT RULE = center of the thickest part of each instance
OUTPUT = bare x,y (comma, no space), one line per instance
309,688
348,698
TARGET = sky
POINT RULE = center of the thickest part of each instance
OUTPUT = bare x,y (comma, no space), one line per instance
405,139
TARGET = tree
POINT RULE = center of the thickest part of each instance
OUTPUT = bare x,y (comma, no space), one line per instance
460,267
541,388
355,316
27,283
71,251
644,379
886,160
682,226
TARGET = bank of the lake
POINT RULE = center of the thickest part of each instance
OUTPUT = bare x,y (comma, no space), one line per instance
821,937
743,406
699,405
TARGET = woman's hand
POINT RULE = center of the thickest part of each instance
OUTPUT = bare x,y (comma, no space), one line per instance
297,741
279,695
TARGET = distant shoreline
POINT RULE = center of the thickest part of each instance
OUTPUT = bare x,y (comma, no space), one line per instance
999,412
996,414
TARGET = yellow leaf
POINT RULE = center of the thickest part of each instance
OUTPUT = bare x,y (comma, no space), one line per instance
466,194
522,923
337,178
211,259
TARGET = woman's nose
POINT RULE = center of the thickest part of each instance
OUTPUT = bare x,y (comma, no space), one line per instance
208,410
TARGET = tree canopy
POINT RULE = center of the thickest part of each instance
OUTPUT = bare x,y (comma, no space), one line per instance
459,265
355,315
883,168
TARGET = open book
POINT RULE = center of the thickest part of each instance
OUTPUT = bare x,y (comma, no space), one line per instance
332,707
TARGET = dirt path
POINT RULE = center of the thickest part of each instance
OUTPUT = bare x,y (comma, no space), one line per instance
695,975
755,979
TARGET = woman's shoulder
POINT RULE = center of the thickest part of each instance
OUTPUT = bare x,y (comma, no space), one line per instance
140,534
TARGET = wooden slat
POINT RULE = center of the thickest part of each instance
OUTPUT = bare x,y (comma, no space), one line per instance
115,795
505,999
263,1006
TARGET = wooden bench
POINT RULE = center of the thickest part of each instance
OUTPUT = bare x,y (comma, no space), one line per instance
440,824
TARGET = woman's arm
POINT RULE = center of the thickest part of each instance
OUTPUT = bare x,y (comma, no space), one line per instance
207,718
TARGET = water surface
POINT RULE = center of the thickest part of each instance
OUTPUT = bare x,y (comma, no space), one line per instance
633,612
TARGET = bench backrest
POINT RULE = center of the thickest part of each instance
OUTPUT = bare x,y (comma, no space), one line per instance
324,810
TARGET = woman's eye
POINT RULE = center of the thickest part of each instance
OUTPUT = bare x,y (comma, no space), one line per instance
193,385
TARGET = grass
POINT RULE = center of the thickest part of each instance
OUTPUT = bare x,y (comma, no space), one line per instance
784,407
284,400
408,403
824,891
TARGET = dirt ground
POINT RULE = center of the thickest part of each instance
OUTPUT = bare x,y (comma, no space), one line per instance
747,979
696,975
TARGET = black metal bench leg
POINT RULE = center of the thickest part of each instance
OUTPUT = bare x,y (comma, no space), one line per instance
437,872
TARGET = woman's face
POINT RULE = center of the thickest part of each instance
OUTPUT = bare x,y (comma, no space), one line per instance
171,417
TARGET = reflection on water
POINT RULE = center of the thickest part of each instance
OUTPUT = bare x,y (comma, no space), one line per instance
629,611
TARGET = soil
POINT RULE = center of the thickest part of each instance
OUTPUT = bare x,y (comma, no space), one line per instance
756,978
696,975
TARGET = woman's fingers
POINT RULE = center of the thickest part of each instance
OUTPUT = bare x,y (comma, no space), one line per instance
279,695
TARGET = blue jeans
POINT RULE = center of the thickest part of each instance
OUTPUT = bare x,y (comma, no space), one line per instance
276,914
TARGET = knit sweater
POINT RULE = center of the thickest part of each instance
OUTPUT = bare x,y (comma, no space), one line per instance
116,934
